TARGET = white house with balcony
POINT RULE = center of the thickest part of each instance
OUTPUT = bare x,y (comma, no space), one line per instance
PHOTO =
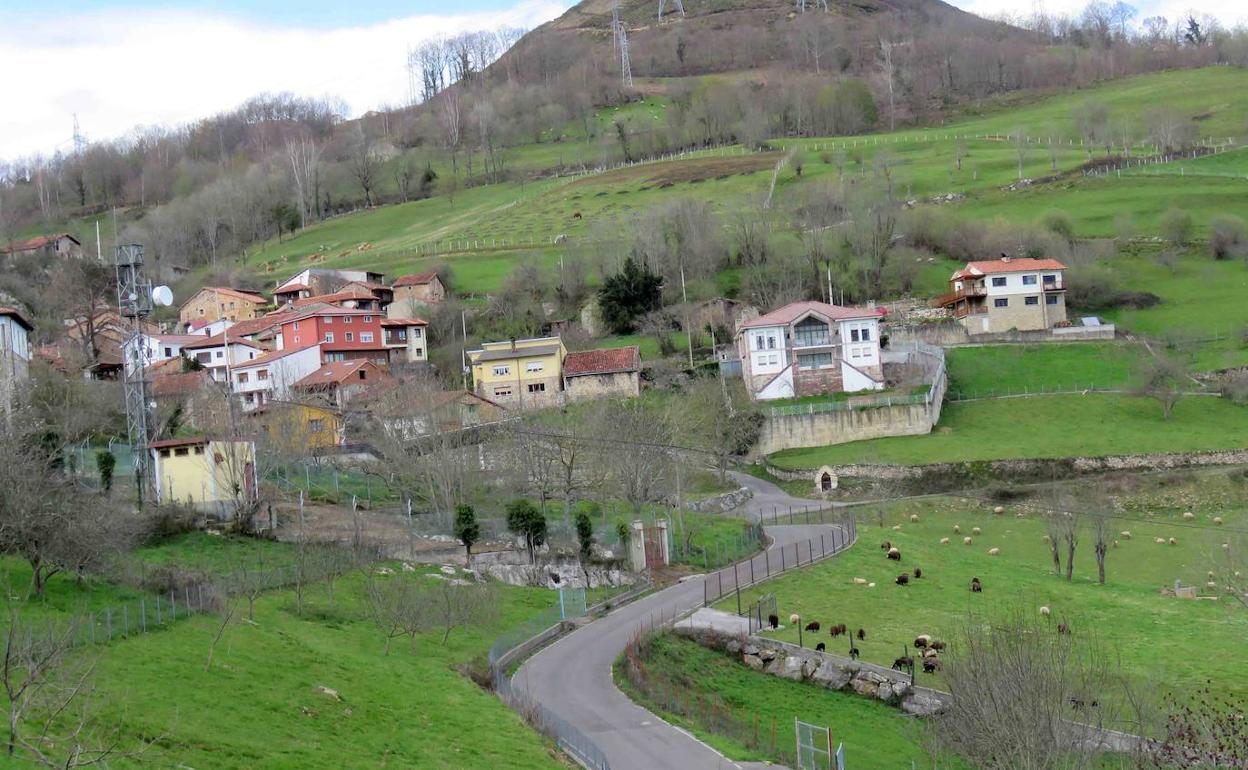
158,347
269,377
222,352
1008,294
809,348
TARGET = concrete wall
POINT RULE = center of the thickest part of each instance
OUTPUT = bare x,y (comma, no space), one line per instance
950,333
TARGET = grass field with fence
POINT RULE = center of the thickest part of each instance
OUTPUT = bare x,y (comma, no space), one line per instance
983,372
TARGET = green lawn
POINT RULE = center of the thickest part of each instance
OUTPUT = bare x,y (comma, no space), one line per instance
1000,369
1046,426
1168,641
876,736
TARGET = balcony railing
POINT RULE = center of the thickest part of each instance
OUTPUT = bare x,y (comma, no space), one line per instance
965,292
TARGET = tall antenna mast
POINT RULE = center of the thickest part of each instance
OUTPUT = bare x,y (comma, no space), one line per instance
134,301
80,141
680,6
621,43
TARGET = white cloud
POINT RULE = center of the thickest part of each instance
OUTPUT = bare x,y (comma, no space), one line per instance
1228,12
118,70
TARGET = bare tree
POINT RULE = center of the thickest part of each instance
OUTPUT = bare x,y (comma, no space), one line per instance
1162,378
1101,537
1026,697
363,161
304,156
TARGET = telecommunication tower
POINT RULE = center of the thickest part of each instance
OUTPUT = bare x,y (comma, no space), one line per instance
621,44
680,6
134,301
80,141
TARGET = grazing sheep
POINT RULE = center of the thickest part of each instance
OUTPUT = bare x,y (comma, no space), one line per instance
914,518
884,546
860,581
1217,519
1047,539
976,531
837,630
1188,515
576,215
931,665
774,621
1174,541
903,579
820,647
922,641
966,541
862,634
870,585
894,554
937,645
1126,534
918,573
1209,574
853,653
1226,545
1115,543
1211,584
1160,540
957,530
930,653
976,586
896,527
1000,509
1062,628
1044,612
813,626
794,618
944,541
994,551
903,663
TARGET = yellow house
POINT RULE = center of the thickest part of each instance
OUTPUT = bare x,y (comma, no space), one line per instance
520,374
215,303
212,475
293,428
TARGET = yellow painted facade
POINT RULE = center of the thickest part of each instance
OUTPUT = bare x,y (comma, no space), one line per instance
203,473
211,304
521,373
292,427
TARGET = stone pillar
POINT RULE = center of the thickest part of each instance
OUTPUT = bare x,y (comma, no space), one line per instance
663,539
637,546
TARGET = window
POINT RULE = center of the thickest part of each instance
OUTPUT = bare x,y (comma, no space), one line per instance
856,352
368,319
771,342
201,312
1050,299
1001,302
203,358
329,319
242,377
263,374
199,450
316,426
758,342
773,359
349,336
366,336
168,352
165,452
181,451
295,326
1050,279
866,334
401,335
419,352
1029,280
853,335
363,374
331,357
1031,301
502,371
814,360
296,339
535,366
502,392
998,281
250,398
220,354
537,387
329,336
415,333
810,331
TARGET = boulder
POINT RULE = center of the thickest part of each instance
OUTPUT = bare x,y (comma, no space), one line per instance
831,675
767,655
920,704
750,649
733,646
753,661
863,687
791,668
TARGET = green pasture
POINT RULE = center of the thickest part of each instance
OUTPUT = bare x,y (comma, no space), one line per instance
1002,369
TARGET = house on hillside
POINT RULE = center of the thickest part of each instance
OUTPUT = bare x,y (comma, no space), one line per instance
222,352
412,293
215,476
406,414
523,374
406,339
56,245
271,376
343,334
156,348
14,355
295,427
336,384
809,348
609,373
1007,294
320,280
353,296
212,303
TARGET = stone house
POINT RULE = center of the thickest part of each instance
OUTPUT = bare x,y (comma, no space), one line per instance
414,292
523,374
1007,294
56,245
212,303
610,373
810,348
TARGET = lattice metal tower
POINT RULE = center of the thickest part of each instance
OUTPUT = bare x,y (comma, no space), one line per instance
680,6
801,5
621,45
80,141
134,301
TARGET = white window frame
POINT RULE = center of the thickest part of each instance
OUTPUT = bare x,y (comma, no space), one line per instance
366,336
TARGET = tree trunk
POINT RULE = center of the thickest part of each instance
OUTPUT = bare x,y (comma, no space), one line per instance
1070,559
1100,562
1057,559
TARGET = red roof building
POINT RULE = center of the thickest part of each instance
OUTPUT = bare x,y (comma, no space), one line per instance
343,334
52,245
606,373
338,382
1007,295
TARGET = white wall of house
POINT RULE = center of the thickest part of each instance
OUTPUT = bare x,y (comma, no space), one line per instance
860,344
257,384
214,358
14,340
765,350
779,387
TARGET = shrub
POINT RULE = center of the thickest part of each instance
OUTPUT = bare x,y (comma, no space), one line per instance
1176,226
1093,288
105,463
1226,237
1059,223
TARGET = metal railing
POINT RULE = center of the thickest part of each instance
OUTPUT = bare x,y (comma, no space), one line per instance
777,561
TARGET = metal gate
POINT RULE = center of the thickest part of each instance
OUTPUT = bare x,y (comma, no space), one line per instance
652,538
814,747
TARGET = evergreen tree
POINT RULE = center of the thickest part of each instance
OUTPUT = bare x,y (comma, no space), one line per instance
628,295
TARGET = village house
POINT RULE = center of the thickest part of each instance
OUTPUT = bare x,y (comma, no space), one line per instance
1008,294
613,372
343,334
56,245
215,476
810,348
412,293
221,352
213,303
405,339
156,348
14,354
298,426
336,384
312,281
401,413
271,376
524,374
353,296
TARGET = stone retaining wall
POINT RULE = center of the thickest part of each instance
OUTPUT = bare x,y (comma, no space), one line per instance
789,661
722,502
952,333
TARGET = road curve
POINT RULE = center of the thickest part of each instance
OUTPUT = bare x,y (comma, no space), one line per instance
572,677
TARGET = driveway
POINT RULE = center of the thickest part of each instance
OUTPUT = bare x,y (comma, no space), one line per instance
572,677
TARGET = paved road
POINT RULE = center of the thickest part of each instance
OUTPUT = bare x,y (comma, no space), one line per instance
572,677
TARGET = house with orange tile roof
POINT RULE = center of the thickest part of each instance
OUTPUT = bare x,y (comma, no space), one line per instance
52,245
412,293
607,373
212,303
1007,294
337,382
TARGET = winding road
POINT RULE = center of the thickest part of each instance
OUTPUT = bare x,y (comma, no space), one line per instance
572,677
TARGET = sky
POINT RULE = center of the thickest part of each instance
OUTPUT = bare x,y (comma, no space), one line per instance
120,64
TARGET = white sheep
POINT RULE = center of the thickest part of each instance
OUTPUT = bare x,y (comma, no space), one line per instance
1188,516
860,581
966,541
897,527
1115,543
1047,539
975,530
944,541
1126,534
930,653
1044,611
1174,541
994,551
794,618
1160,540
1000,509
957,530
1217,519
1211,584
870,585
914,518
1226,545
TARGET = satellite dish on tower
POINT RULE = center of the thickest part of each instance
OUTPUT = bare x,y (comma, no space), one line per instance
162,295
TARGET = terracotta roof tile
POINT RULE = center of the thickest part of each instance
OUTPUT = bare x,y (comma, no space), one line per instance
338,372
416,279
791,312
38,242
604,361
1013,265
